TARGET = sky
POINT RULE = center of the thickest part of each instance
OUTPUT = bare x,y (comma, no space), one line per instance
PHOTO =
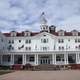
21,15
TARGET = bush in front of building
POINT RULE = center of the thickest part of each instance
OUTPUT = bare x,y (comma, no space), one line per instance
28,67
3,67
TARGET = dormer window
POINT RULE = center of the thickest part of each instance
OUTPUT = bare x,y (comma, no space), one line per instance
61,33
27,33
74,33
13,33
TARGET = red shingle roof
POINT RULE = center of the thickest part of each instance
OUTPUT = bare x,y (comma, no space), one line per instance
35,33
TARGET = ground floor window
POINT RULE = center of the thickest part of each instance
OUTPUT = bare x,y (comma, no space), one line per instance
71,58
59,57
31,59
6,58
18,59
79,56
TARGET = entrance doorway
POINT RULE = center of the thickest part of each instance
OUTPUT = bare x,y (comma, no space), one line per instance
71,58
45,60
17,59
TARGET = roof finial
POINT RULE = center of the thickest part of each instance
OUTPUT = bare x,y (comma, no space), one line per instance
43,19
43,13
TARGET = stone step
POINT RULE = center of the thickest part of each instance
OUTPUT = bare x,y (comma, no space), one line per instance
45,67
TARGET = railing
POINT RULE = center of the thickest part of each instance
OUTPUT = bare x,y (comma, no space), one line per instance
7,51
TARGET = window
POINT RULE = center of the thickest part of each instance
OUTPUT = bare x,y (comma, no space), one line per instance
3,47
19,41
44,35
60,40
6,58
13,33
44,40
31,59
76,47
28,48
61,32
69,40
10,47
54,47
11,41
1,40
44,48
75,33
28,41
59,57
27,33
79,46
61,48
77,40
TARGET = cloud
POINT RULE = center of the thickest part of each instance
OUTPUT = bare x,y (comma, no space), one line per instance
71,23
25,14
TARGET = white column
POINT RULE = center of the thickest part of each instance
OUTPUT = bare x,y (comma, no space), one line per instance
77,58
53,59
1,59
66,58
36,59
12,59
24,59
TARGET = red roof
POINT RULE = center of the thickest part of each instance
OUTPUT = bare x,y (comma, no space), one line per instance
20,34
6,34
35,33
68,33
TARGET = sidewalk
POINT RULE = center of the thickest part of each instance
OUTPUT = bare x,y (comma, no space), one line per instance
42,75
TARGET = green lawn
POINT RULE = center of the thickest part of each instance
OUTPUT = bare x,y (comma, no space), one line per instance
5,72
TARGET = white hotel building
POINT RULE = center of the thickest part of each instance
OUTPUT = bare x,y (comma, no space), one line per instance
45,47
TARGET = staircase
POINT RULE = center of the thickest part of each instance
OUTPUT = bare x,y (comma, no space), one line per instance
45,67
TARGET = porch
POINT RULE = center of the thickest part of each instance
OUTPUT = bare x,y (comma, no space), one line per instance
37,59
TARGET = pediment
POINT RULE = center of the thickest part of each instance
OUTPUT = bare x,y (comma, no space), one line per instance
44,34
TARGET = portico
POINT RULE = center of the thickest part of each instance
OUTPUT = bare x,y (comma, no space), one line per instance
37,59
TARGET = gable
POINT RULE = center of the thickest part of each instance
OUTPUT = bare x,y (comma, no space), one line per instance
44,34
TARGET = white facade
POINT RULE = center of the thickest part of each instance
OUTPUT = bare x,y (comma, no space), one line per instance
44,47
